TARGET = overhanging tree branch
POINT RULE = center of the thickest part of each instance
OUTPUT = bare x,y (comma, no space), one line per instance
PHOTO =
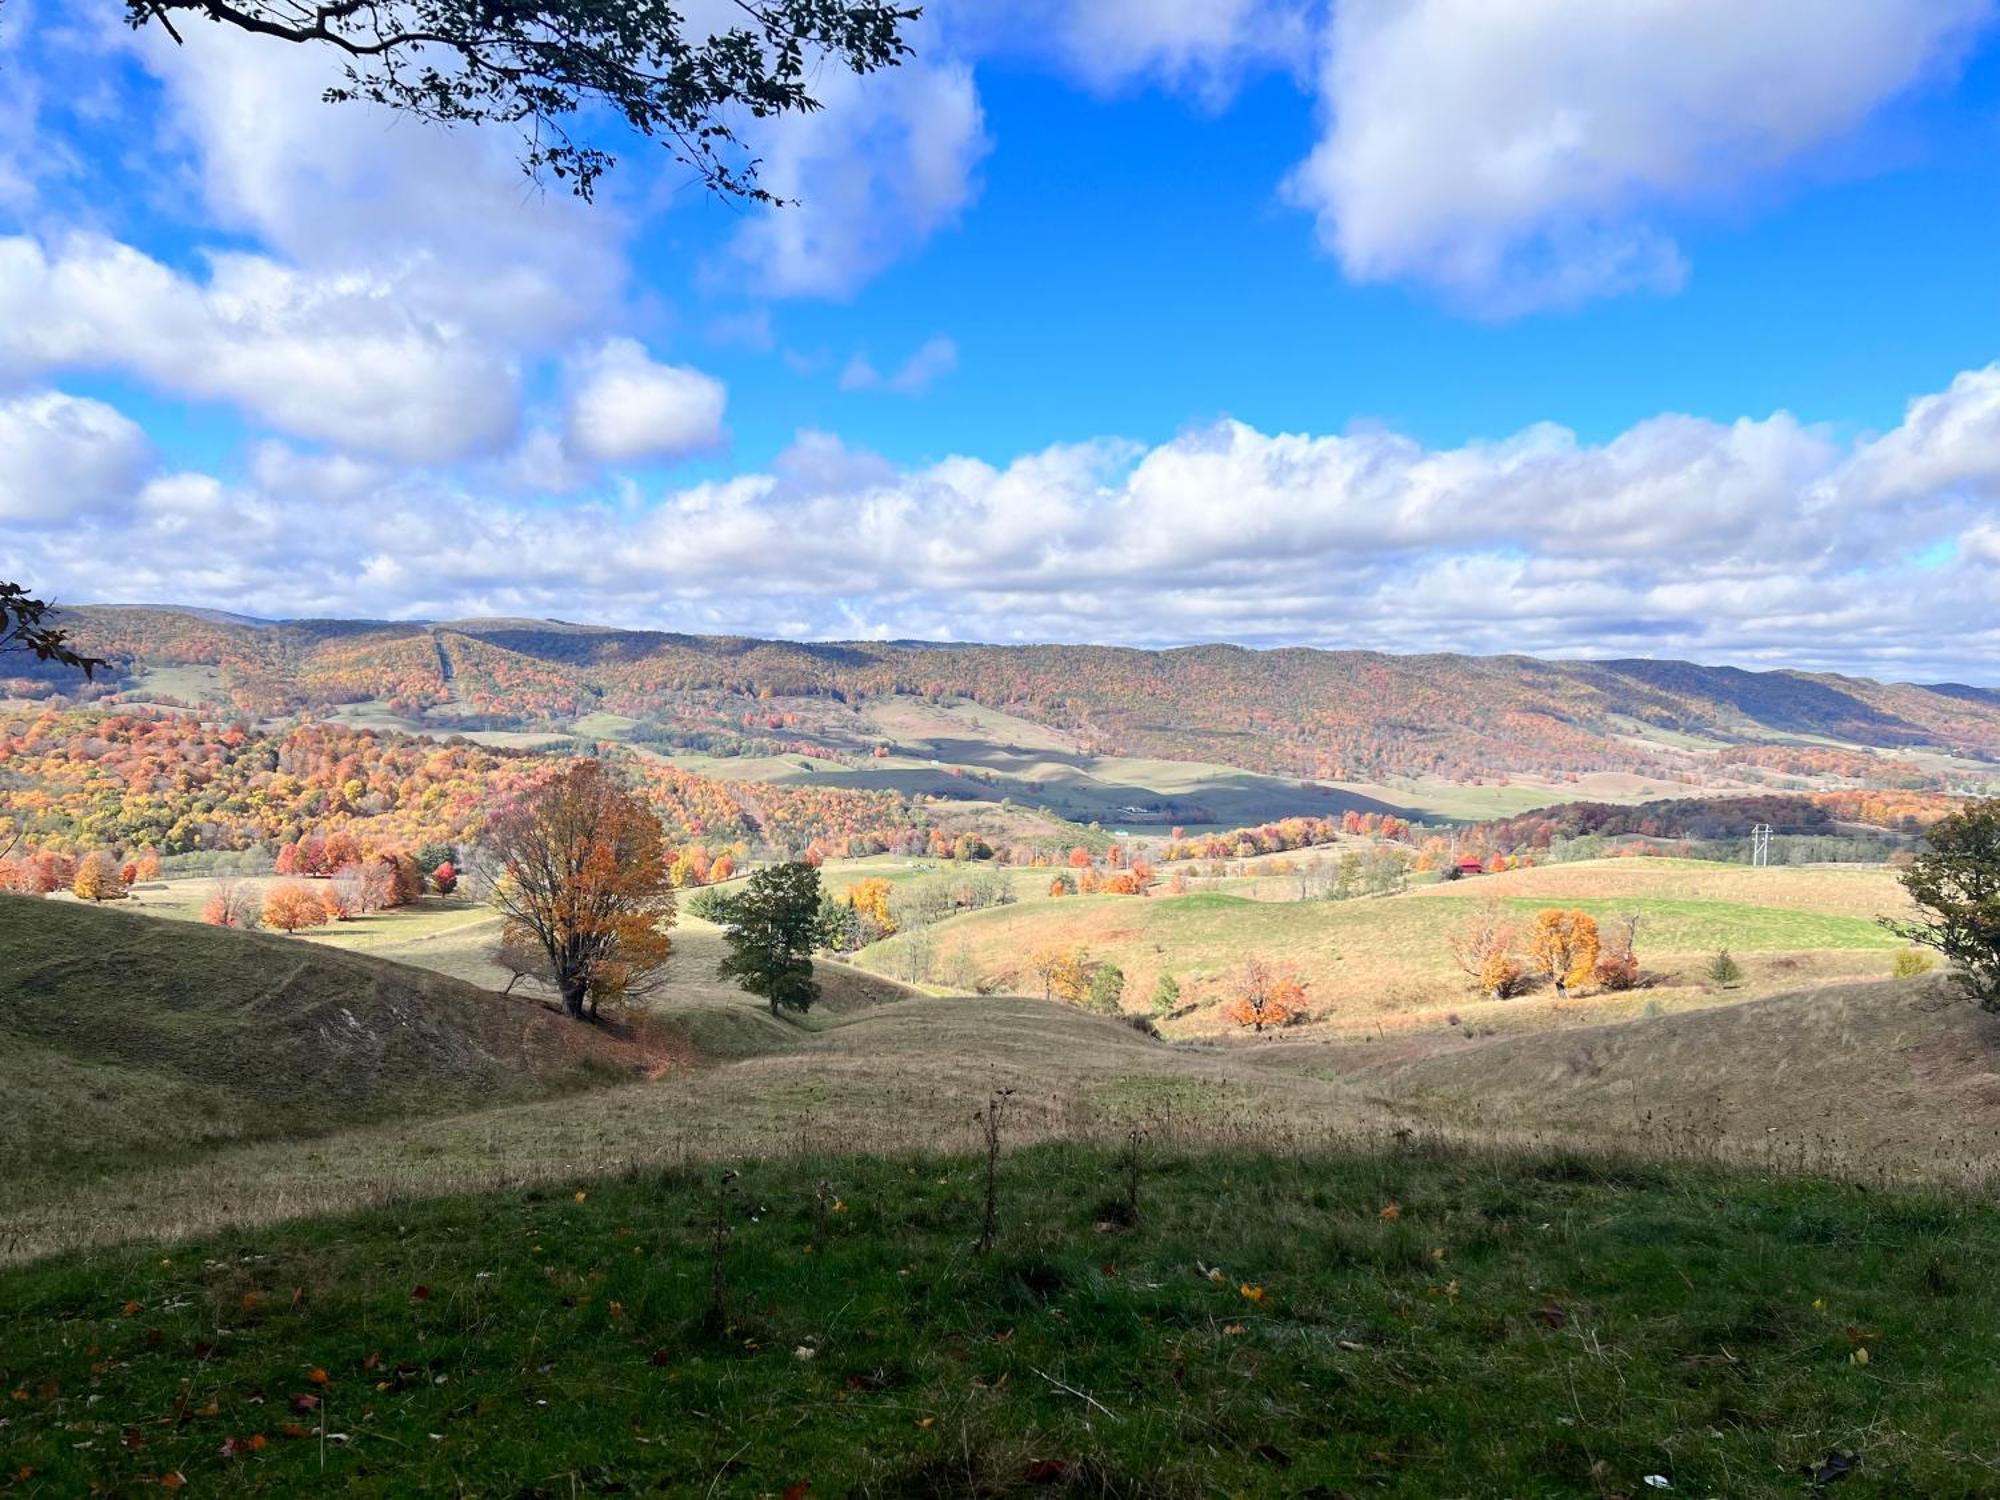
534,64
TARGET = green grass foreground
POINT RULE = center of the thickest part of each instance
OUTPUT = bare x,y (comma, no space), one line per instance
1416,1324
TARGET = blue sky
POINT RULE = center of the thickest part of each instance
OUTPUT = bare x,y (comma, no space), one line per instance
1586,327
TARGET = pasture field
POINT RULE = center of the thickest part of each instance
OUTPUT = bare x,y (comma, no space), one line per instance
1377,964
128,1042
1287,1323
456,936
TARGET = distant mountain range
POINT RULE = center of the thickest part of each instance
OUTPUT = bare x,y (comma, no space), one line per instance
1334,714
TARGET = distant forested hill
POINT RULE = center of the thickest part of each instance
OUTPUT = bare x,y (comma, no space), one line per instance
1336,714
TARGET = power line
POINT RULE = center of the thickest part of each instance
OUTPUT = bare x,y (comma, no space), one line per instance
1760,844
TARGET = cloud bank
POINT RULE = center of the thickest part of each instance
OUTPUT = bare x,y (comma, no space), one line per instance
1761,541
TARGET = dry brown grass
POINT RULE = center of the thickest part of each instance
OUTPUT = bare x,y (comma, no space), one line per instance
1381,965
1874,1081
1887,1078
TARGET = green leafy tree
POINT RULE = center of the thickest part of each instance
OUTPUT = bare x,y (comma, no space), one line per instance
772,927
1955,882
540,66
1724,970
1166,995
1107,989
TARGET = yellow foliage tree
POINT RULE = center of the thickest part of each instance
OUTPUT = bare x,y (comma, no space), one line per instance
1564,946
97,878
870,897
1064,972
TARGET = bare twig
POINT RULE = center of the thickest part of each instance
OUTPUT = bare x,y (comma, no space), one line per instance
1084,1396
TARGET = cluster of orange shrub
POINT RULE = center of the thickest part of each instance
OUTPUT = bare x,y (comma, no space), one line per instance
1124,874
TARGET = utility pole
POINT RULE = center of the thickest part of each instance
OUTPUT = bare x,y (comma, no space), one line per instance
1760,844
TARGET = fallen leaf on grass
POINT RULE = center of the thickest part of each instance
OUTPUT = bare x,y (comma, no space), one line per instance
798,1489
1552,1315
1253,1293
1391,1212
305,1401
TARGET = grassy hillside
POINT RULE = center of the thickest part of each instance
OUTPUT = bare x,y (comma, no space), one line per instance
1877,1077
456,936
123,1039
1383,962
1415,1325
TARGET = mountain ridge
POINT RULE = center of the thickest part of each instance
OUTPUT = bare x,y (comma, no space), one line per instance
1294,710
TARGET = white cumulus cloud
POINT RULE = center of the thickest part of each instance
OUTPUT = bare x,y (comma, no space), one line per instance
61,455
890,160
624,406
1763,541
1512,154
341,358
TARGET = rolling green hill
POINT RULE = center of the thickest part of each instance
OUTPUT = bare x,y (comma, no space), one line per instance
125,1040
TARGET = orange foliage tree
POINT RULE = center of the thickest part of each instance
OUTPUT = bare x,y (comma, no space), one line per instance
1267,995
1564,945
230,904
582,873
288,906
